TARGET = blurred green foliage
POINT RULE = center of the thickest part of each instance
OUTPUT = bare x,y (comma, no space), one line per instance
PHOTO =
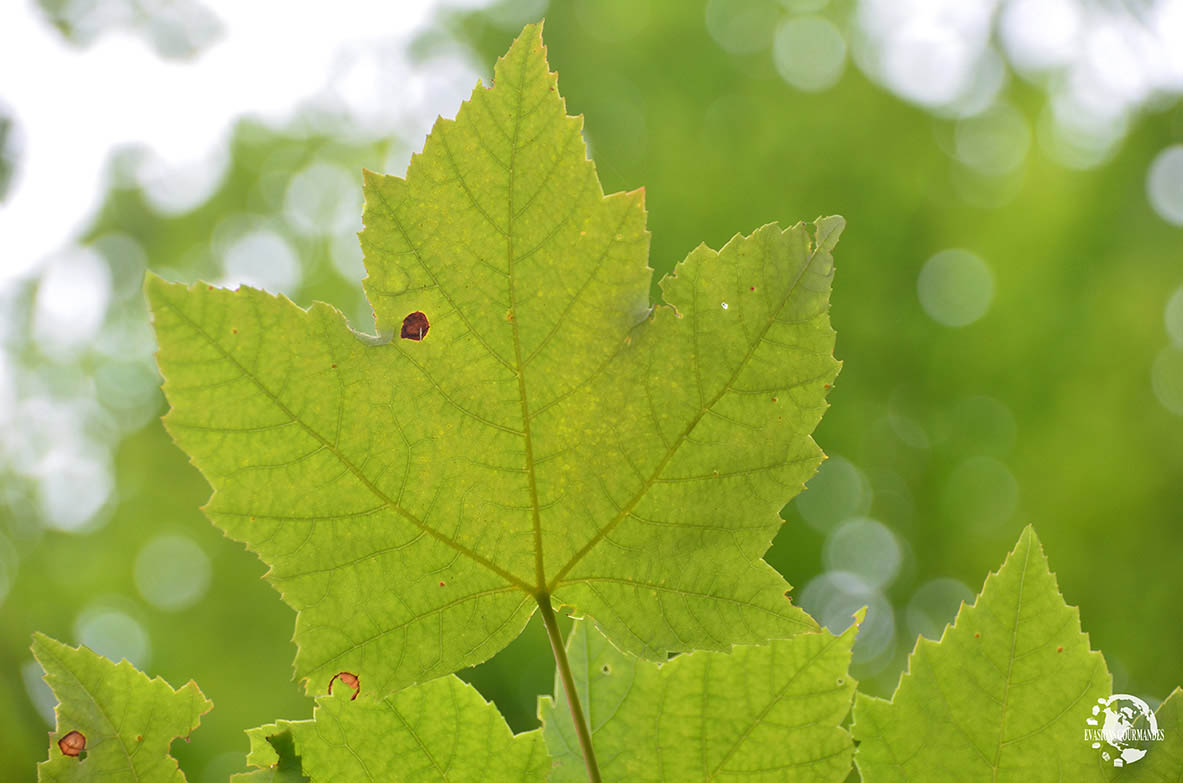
1042,411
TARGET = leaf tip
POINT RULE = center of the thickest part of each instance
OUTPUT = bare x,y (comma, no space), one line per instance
827,230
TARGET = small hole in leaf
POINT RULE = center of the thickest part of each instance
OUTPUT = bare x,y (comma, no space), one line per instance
73,744
349,679
415,326
724,305
841,681
607,669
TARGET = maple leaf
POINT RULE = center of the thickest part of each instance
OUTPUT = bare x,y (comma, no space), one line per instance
768,713
525,427
113,723
440,731
1003,696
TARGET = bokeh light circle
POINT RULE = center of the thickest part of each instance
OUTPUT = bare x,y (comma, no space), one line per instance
172,572
980,493
1173,316
1166,378
866,548
838,491
934,605
955,287
809,52
323,199
835,596
993,142
262,259
113,634
742,26
1164,184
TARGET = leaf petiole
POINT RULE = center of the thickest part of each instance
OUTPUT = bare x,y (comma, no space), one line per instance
564,667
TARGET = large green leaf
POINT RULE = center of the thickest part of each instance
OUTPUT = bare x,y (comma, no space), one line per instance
1003,696
770,713
126,721
551,435
440,731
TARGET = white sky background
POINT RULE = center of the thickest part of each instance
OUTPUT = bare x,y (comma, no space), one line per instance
75,105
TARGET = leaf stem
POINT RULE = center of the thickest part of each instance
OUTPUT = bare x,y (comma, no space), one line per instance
564,667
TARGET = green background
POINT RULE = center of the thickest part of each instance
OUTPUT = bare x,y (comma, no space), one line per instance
1042,411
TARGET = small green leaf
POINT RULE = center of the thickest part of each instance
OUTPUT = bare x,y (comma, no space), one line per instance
527,427
769,713
126,722
1163,762
440,731
1002,697
274,751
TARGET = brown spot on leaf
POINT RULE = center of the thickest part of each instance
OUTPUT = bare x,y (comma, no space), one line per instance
977,636
334,366
349,679
233,331
753,288
442,584
774,399
415,326
1059,649
139,738
72,744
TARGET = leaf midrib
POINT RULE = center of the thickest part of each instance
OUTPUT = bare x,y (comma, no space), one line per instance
1010,665
531,471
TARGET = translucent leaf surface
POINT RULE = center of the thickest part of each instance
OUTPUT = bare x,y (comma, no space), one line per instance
116,723
526,426
440,731
770,713
274,751
1163,762
1003,696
